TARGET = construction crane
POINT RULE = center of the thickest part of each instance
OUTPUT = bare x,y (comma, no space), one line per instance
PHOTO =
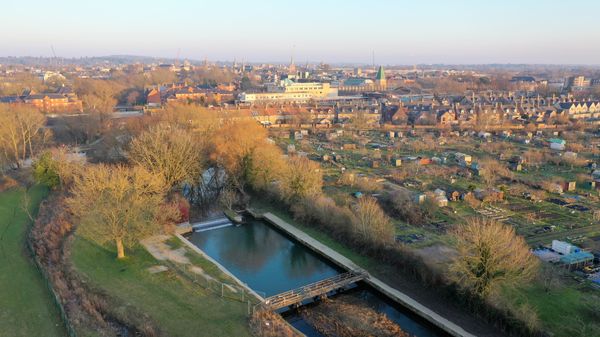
55,58
177,58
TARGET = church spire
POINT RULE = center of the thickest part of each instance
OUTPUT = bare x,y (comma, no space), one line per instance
380,78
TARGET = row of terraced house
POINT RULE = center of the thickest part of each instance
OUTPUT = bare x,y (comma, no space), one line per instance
62,101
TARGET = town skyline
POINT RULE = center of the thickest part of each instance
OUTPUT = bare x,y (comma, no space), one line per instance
461,32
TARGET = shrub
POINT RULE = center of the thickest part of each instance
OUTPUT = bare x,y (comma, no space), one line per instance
46,170
7,182
400,204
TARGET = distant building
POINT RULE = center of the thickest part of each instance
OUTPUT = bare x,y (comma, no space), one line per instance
363,84
155,96
524,82
564,248
557,144
581,82
577,260
358,82
380,79
579,110
287,90
54,102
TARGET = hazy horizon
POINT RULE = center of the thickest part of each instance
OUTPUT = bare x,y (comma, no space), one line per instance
310,62
460,32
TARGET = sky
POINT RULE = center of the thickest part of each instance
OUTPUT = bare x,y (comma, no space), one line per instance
396,31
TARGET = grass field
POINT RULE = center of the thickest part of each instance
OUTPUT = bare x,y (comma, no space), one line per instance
561,311
178,306
26,306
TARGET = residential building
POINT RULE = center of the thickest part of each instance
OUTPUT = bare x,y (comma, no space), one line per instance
289,91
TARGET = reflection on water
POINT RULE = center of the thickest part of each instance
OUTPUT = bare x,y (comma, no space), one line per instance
263,258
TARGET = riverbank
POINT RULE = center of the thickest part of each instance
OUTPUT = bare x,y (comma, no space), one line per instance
177,305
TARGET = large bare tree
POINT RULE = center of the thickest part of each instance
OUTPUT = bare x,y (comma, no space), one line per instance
302,178
21,133
119,204
491,254
234,146
99,96
167,151
268,165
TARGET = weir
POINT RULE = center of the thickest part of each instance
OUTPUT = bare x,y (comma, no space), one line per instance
211,224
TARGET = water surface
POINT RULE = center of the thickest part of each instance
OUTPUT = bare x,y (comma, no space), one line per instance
264,258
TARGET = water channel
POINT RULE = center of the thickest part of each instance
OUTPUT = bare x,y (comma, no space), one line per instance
270,262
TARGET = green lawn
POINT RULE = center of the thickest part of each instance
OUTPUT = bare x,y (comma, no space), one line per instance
178,306
26,305
561,310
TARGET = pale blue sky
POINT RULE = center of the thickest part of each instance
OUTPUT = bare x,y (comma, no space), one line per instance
400,32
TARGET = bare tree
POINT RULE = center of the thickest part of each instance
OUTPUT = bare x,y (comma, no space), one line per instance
493,170
372,225
228,198
268,165
99,96
21,133
119,204
302,178
234,148
167,151
490,255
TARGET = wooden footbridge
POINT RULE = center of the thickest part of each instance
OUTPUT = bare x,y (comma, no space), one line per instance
313,290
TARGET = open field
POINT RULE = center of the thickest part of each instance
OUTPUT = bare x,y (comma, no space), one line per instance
561,310
178,306
26,305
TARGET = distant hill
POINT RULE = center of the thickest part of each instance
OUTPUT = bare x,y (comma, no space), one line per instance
94,60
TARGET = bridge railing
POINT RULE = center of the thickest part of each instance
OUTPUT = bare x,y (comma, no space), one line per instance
315,289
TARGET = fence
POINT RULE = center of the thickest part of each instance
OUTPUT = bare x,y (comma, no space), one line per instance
227,291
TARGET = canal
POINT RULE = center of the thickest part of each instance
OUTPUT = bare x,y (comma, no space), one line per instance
270,262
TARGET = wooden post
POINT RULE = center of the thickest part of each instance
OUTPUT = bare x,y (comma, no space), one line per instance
221,289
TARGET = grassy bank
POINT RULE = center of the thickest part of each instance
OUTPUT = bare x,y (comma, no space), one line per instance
178,306
561,310
26,306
